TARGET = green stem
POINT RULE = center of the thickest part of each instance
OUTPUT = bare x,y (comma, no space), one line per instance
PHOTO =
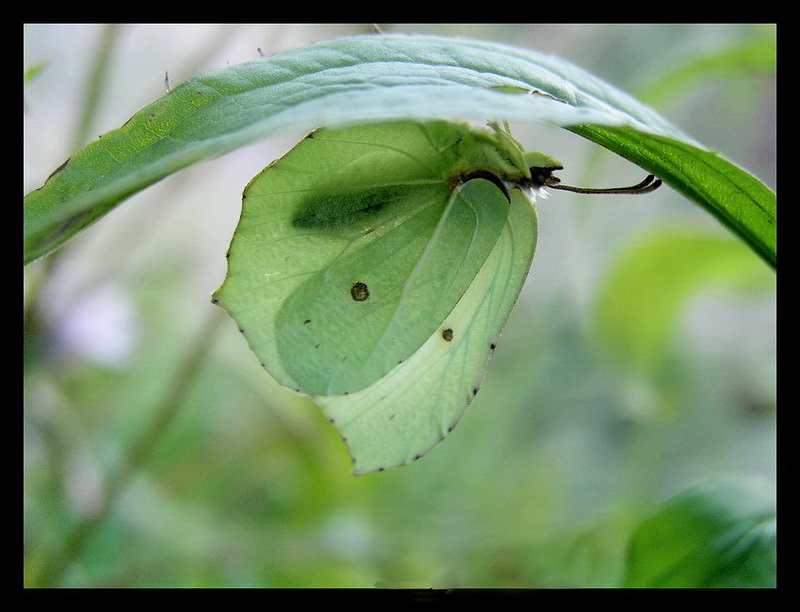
136,457
96,85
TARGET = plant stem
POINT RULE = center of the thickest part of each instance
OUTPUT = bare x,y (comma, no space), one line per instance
164,415
96,85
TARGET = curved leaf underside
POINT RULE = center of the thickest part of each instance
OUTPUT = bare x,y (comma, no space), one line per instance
375,79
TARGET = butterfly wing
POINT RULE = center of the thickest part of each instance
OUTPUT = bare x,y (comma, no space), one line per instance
352,249
404,414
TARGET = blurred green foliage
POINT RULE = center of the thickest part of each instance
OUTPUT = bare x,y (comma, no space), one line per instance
158,453
659,275
710,536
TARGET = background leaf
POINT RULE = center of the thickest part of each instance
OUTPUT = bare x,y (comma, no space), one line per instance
650,285
713,536
739,58
378,78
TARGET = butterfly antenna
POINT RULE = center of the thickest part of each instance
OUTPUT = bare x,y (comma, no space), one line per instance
649,184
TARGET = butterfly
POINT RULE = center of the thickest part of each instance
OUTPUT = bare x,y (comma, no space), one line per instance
373,269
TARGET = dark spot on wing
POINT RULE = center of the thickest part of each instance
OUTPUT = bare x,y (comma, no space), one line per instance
359,292
447,334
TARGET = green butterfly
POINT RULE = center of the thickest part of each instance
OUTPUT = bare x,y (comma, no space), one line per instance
374,267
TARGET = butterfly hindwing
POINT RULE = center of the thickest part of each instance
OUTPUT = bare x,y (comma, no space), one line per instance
407,412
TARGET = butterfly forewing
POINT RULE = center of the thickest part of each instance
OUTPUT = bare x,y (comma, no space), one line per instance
350,251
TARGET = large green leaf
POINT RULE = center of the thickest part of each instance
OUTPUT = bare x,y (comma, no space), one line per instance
380,78
738,199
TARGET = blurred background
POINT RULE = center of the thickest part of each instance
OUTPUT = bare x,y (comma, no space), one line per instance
639,360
